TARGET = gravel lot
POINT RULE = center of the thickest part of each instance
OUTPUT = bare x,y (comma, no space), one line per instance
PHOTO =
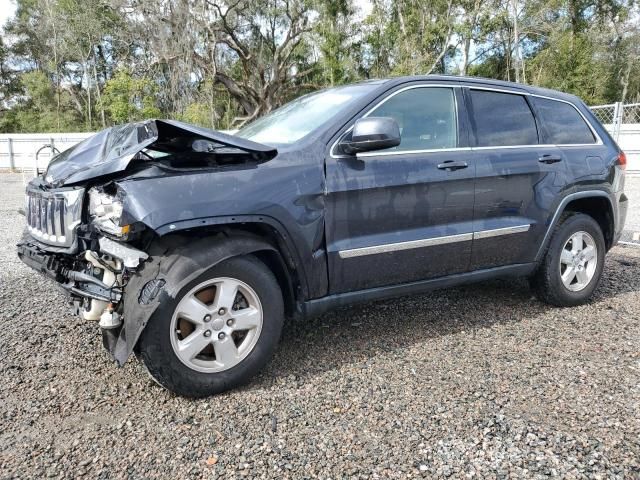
481,381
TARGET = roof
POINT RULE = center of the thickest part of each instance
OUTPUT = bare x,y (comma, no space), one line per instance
483,81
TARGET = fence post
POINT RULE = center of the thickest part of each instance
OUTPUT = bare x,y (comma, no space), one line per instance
614,121
12,164
619,114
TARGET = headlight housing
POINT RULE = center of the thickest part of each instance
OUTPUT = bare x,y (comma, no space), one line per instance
105,211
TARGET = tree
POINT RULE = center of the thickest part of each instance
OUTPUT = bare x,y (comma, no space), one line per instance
334,33
128,99
418,34
85,64
261,39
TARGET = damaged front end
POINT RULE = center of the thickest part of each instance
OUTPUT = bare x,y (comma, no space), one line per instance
84,233
96,273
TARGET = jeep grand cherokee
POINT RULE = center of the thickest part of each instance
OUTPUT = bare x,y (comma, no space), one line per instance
189,246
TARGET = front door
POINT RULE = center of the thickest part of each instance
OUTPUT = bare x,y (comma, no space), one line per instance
403,214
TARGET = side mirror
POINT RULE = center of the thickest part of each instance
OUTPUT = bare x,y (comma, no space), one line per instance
372,133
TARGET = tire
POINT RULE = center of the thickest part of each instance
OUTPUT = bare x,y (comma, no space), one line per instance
166,350
548,279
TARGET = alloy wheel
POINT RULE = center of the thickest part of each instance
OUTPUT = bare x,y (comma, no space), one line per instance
578,261
216,325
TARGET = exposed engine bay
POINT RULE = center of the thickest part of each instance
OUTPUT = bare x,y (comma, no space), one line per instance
95,279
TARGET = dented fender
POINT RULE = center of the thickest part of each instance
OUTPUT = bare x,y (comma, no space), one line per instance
160,279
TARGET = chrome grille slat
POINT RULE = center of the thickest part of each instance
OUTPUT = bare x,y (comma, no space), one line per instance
28,215
43,216
40,213
52,216
58,220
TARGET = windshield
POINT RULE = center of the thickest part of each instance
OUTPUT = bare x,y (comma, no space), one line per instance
296,119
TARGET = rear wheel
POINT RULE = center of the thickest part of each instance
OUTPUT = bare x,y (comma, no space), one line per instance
219,331
572,266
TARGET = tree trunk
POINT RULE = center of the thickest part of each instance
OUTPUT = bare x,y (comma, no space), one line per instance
624,80
405,39
98,94
466,46
516,41
85,74
57,63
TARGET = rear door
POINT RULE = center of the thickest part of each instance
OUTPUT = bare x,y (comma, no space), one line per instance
406,213
564,126
518,177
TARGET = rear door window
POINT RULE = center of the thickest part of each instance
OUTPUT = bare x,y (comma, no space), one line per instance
502,119
563,124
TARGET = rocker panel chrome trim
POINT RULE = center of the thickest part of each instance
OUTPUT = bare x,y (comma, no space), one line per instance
430,242
501,231
394,247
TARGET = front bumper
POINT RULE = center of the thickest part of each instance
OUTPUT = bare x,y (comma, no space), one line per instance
88,294
64,270
40,260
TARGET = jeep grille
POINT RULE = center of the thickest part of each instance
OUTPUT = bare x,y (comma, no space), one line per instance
52,217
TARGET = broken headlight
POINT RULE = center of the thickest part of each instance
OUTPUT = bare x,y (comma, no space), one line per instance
105,211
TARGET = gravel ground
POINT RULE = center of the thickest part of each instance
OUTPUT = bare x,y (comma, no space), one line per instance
481,381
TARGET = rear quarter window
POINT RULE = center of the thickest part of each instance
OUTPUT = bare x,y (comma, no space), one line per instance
562,123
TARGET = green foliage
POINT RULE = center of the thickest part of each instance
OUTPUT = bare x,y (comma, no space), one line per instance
571,63
335,31
85,64
36,111
128,99
198,114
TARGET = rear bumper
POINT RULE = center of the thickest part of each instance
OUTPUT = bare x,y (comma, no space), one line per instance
623,205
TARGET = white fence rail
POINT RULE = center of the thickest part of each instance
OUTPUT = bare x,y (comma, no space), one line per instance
30,152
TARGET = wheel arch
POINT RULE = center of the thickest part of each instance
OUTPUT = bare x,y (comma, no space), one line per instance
595,203
179,257
260,239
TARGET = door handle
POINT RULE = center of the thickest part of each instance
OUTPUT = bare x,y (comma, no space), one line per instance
451,165
549,159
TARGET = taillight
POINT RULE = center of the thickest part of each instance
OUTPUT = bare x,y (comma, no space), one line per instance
622,160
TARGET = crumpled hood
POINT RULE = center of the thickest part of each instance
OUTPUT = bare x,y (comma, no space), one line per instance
111,150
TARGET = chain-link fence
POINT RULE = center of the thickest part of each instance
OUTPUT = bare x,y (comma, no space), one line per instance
630,113
623,123
614,115
605,113
617,113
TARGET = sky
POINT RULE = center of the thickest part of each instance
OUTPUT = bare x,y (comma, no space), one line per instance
7,9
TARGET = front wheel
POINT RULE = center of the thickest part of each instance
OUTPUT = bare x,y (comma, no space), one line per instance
219,331
572,266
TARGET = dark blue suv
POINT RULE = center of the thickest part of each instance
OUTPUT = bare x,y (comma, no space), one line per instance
190,246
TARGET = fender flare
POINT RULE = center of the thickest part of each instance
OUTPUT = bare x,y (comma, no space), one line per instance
162,277
560,210
286,242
